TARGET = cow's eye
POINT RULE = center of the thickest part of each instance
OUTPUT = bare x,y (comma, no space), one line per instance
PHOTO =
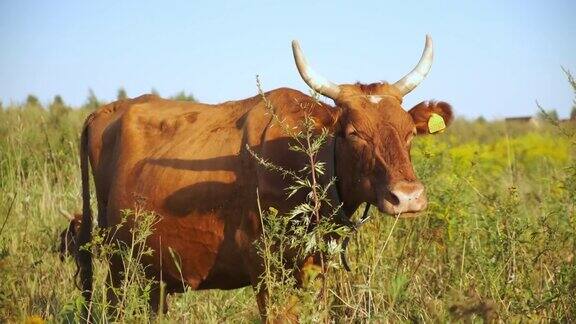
351,132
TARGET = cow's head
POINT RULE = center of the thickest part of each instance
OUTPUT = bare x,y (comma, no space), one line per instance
374,136
69,236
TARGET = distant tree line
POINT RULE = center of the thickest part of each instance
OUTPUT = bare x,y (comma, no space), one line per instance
92,102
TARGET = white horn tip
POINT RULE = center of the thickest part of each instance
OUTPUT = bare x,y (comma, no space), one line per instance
295,44
428,40
414,77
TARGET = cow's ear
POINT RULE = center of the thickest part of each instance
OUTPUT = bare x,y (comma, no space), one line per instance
431,117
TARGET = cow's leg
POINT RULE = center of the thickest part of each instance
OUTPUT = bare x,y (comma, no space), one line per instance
158,298
114,282
102,220
311,278
287,313
262,300
255,269
311,272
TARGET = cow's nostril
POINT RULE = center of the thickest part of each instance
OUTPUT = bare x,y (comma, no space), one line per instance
394,200
406,193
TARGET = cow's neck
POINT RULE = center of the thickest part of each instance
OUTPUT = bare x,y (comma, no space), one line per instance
346,188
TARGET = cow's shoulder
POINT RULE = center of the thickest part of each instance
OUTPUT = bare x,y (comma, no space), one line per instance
294,105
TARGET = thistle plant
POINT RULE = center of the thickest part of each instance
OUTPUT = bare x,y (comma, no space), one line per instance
303,231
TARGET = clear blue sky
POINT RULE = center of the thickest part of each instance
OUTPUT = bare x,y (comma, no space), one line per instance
492,58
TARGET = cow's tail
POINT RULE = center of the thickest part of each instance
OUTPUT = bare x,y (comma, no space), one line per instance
84,253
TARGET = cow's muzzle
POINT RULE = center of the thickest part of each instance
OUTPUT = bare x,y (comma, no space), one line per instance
403,197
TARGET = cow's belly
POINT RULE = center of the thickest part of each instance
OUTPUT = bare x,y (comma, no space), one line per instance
200,250
201,216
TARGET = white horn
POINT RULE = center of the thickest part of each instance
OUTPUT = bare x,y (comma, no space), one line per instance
315,81
66,214
412,79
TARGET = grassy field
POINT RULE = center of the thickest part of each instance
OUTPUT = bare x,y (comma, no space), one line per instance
496,243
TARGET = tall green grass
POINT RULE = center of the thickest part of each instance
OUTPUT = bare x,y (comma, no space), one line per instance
496,243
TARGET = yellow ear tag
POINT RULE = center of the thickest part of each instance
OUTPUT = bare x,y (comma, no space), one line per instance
436,123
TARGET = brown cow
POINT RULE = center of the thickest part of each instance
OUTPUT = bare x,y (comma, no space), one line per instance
69,236
188,163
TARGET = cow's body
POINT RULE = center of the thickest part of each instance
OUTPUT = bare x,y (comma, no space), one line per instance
189,163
